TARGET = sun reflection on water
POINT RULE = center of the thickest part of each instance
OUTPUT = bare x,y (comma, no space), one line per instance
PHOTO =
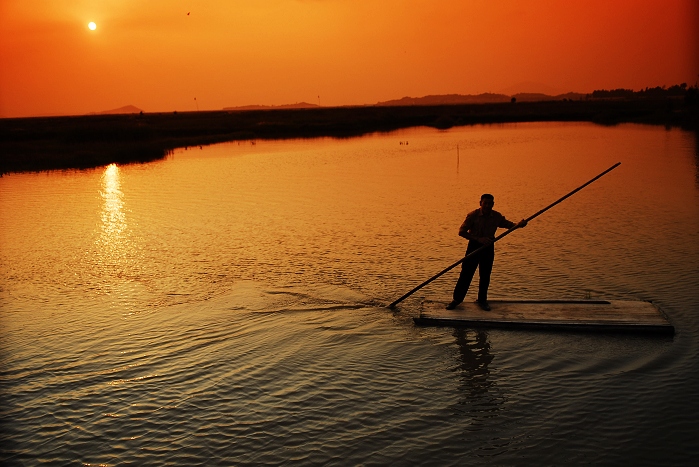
113,217
114,228
117,261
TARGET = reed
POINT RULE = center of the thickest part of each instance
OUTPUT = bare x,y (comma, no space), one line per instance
47,143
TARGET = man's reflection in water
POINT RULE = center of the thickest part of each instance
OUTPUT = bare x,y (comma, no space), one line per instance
480,395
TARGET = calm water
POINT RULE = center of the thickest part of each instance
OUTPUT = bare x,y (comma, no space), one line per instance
226,306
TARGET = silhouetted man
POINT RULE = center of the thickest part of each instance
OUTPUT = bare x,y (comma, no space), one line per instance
479,229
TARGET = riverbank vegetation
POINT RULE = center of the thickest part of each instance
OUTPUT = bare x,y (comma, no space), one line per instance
46,143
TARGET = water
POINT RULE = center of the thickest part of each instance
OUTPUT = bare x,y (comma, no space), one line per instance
227,305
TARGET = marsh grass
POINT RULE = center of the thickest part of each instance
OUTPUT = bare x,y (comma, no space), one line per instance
48,143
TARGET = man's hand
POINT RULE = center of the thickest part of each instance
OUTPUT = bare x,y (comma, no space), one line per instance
484,240
520,224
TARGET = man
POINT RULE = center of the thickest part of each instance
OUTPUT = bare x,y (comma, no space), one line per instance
479,229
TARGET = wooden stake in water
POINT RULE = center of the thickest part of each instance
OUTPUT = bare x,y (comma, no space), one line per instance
392,305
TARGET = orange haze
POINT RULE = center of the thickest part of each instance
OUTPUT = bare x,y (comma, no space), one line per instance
153,55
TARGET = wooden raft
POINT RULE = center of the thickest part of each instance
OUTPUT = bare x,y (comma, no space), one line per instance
573,315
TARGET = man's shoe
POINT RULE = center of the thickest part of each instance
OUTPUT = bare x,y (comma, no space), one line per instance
484,305
453,305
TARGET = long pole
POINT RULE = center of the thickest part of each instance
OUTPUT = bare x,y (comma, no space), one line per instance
392,305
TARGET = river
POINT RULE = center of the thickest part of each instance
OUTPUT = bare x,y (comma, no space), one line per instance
226,305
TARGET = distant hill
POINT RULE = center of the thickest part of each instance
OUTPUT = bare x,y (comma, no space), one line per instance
440,99
530,87
298,105
485,98
447,99
128,109
538,97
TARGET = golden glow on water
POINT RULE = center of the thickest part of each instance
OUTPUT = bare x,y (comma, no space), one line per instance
113,226
117,267
368,214
236,292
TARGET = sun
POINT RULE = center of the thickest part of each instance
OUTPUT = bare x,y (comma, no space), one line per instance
92,25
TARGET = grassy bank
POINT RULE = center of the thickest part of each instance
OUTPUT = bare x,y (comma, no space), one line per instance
34,144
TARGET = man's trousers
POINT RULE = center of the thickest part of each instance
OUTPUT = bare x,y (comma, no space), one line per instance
484,262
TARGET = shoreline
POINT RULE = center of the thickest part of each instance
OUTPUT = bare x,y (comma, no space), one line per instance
81,142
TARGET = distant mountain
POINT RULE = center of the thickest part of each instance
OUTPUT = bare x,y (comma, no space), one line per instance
128,109
447,99
485,98
538,97
298,105
530,87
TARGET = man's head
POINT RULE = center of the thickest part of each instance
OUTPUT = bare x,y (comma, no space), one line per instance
487,203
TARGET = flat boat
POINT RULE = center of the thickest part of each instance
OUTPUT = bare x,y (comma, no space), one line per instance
572,315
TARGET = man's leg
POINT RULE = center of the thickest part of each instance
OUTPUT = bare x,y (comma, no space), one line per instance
468,268
485,267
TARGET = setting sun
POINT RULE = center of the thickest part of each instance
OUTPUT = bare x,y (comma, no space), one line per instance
92,25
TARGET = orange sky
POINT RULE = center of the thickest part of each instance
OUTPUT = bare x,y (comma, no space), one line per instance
153,55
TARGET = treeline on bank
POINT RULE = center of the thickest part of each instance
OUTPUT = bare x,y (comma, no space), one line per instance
46,143
690,95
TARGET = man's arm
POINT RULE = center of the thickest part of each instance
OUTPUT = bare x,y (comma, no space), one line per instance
465,227
504,223
464,232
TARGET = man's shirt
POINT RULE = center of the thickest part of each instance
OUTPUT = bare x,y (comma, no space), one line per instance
479,225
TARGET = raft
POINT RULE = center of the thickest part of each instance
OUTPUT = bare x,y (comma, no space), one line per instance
560,315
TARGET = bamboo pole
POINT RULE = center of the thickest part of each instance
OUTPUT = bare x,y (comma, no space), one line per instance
504,234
